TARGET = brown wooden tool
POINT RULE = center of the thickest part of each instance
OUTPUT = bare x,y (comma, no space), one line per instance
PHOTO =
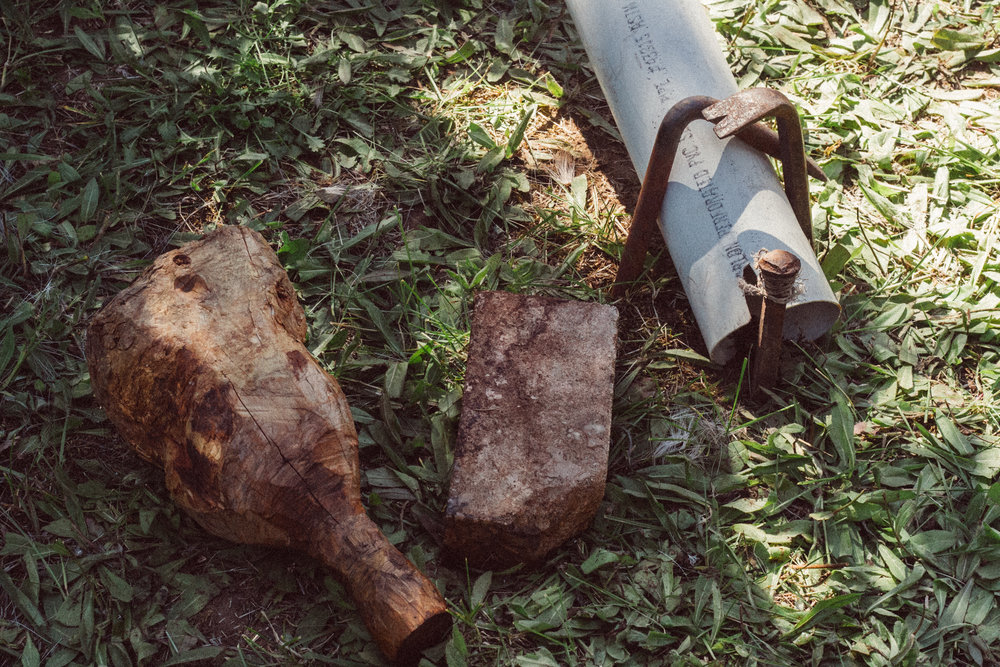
200,365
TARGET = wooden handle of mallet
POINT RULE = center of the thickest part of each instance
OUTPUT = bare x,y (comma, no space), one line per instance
400,606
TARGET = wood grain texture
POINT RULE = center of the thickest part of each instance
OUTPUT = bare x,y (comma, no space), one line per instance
200,364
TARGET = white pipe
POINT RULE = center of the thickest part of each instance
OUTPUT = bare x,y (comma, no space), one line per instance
724,202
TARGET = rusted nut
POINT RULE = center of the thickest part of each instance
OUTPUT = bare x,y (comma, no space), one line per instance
778,271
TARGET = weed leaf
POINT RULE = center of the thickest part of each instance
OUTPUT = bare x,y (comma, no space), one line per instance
820,612
88,43
30,656
88,200
842,430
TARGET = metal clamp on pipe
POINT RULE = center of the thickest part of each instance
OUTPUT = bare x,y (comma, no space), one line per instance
718,200
736,115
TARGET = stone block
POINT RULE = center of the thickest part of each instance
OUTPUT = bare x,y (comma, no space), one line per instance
532,451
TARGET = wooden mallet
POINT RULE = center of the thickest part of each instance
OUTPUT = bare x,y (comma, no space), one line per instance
200,364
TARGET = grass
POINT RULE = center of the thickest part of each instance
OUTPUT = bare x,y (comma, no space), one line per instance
401,156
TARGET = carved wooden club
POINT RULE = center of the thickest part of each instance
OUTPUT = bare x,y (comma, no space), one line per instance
200,364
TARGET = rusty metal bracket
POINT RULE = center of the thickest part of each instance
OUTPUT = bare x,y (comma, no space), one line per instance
654,188
738,114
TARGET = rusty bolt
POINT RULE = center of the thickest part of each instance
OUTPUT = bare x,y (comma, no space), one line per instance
778,271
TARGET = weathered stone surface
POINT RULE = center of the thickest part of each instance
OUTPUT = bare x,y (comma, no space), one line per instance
532,452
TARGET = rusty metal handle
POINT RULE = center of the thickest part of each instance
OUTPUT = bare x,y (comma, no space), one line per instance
767,141
746,107
654,188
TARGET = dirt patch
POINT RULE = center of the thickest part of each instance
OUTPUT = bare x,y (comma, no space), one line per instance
562,147
233,612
